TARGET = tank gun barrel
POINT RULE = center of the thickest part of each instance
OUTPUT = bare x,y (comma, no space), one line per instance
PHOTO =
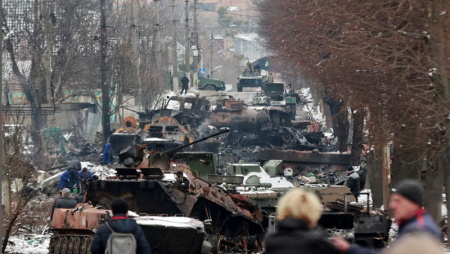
174,150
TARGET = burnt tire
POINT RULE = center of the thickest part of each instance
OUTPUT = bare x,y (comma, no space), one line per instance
210,88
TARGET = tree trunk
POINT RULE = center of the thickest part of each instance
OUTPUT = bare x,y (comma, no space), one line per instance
407,163
339,114
434,180
357,141
375,176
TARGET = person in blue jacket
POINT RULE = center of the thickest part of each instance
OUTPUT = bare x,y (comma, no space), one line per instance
63,181
85,175
406,204
107,154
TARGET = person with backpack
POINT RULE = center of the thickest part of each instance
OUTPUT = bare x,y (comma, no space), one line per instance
120,234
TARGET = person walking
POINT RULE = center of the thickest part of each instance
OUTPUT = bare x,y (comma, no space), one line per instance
353,182
107,154
406,204
120,229
298,213
185,84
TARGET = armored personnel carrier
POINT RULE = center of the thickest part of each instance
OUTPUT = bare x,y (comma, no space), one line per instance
149,183
73,231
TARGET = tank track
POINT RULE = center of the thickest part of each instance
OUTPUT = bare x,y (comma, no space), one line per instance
70,244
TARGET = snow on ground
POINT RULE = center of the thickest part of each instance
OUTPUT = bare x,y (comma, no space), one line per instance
101,171
362,199
28,244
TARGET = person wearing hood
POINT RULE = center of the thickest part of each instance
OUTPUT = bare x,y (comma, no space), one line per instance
406,204
120,223
107,154
298,213
73,169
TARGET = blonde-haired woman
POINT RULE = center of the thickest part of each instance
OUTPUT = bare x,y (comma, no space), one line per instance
296,230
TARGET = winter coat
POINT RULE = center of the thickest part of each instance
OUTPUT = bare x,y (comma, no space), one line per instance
120,224
421,222
83,178
353,182
75,164
66,202
63,180
362,178
293,236
107,154
74,179
185,81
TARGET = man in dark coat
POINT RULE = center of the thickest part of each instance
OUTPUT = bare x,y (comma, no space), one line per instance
353,182
65,201
185,84
406,204
121,224
362,178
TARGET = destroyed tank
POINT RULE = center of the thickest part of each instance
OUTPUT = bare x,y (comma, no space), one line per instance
250,125
273,94
125,135
74,229
148,183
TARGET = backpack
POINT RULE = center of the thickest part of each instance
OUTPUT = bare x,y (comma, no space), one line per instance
120,243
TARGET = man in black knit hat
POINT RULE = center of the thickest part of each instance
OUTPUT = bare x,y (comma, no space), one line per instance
406,204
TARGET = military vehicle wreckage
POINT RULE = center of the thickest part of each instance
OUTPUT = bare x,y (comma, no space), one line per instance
231,222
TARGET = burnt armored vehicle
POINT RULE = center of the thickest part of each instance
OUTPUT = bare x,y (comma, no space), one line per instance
74,230
148,182
125,135
250,125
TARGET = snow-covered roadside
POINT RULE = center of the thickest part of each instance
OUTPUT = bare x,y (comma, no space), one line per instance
28,244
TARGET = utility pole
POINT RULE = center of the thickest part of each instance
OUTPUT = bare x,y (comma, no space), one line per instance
135,49
188,44
176,89
212,55
196,49
104,69
158,43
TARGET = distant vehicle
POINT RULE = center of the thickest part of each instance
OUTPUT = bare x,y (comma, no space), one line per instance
252,77
206,83
210,84
250,81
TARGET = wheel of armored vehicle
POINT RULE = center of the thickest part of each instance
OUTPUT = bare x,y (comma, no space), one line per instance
210,88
